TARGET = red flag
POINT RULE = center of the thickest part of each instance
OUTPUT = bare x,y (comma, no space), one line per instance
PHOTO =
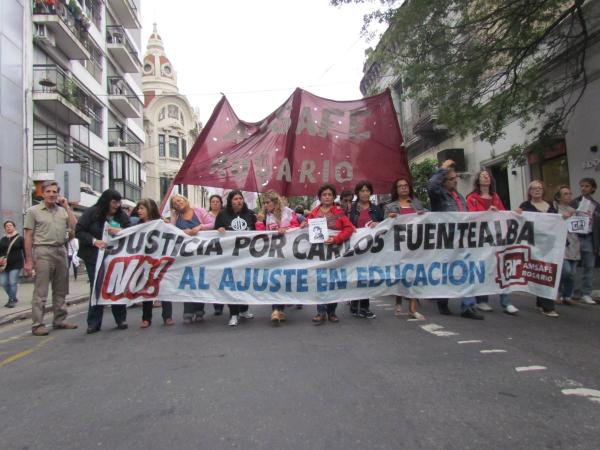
306,142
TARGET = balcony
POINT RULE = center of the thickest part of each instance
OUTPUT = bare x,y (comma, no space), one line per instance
120,139
63,96
58,25
48,151
427,127
123,98
121,49
126,13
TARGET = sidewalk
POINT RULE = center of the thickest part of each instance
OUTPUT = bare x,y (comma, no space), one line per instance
79,291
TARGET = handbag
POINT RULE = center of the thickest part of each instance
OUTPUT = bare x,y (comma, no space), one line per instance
4,259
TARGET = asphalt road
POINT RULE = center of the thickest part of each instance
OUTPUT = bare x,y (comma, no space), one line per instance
386,383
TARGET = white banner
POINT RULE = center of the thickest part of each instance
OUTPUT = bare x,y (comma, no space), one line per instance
424,256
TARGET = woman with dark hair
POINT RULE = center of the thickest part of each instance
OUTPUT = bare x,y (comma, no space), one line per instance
89,231
362,214
215,203
336,220
12,254
147,210
536,203
404,201
484,198
236,217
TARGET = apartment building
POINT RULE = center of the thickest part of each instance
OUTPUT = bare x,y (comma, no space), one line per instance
85,95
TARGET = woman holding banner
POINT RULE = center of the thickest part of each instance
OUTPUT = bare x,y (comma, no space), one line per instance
336,220
404,201
536,203
147,210
208,223
280,218
236,217
363,214
89,231
191,221
484,198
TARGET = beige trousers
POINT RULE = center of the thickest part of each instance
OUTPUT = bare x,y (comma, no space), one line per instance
50,267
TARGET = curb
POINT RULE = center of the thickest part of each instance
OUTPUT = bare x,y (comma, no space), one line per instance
23,315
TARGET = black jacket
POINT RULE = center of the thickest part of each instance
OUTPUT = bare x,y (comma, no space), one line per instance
245,220
15,258
528,206
374,213
89,227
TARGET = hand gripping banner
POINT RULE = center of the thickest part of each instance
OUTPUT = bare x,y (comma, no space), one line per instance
424,256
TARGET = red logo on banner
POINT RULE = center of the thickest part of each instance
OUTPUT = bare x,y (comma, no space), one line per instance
134,276
516,267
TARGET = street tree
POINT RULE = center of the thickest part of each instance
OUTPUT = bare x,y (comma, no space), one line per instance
481,64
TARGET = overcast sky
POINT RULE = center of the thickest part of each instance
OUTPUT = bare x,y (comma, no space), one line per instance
257,51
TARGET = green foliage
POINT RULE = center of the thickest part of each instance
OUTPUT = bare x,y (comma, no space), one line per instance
481,64
421,172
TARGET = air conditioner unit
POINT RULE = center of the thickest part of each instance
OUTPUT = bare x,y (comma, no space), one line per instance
42,35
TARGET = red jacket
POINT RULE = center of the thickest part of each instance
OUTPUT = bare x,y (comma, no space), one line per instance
476,203
337,220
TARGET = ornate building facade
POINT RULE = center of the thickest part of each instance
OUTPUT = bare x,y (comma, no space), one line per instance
170,123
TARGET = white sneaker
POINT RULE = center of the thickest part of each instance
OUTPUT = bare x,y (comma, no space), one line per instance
483,307
550,313
246,315
587,300
510,309
233,321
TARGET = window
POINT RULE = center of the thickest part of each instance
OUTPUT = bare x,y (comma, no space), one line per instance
173,112
147,68
184,190
91,166
164,186
94,64
173,147
161,145
183,148
95,113
125,175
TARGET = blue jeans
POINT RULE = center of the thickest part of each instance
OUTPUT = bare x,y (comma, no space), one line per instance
9,281
504,300
567,278
326,308
587,261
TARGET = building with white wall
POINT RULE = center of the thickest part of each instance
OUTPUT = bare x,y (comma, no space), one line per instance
572,156
85,94
170,123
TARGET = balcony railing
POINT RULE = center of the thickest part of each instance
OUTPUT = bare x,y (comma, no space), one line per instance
73,17
118,137
119,88
122,48
50,79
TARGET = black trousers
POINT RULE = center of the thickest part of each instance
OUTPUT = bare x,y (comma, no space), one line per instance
95,312
167,310
545,303
357,305
235,310
191,308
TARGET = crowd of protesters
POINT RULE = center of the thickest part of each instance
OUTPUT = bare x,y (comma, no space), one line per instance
50,229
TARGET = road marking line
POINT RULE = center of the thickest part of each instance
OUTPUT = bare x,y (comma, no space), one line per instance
474,341
591,394
494,350
438,330
529,368
24,353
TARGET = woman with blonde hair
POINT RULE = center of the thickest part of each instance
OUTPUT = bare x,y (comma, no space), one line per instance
536,203
191,221
280,218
